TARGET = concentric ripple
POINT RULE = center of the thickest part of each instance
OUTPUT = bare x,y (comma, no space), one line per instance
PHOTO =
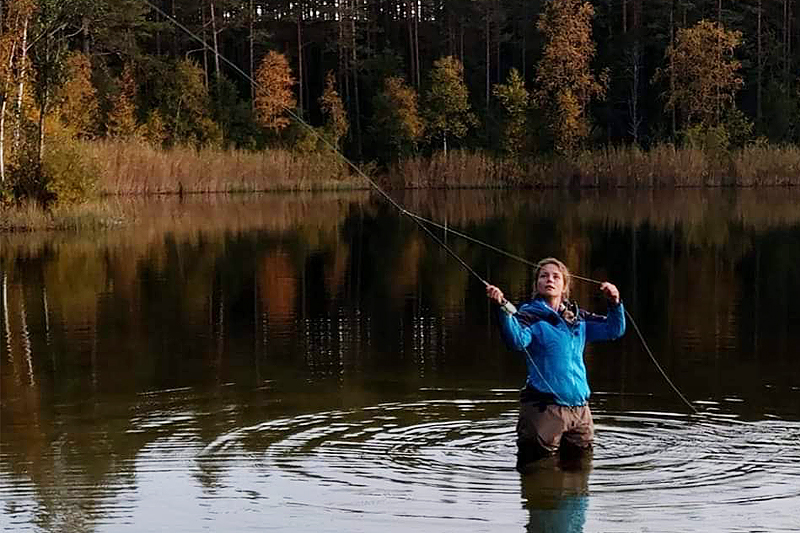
450,461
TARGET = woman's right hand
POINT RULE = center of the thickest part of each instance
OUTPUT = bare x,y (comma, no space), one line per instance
493,293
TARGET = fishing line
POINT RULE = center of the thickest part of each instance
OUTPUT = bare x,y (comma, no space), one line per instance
420,221
333,148
515,257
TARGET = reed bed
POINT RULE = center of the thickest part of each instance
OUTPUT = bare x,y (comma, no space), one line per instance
662,166
86,216
137,168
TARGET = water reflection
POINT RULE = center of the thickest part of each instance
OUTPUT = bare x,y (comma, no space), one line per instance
555,491
321,348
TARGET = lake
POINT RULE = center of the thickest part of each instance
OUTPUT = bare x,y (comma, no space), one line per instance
316,362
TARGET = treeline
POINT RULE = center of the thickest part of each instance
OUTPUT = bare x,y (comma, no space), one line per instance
384,80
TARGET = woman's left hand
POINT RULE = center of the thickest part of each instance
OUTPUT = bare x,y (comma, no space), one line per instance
611,292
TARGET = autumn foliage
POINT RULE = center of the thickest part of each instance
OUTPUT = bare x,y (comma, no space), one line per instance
565,83
122,118
706,73
336,123
397,122
274,94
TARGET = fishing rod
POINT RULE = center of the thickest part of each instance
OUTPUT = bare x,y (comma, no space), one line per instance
418,220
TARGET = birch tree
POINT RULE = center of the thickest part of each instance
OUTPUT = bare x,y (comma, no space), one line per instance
706,72
447,109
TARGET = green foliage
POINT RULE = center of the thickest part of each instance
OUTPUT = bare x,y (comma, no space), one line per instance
66,174
396,125
185,106
514,98
447,109
234,115
710,139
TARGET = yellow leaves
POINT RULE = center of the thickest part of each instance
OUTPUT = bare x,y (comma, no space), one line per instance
336,125
122,118
78,109
564,80
706,73
274,93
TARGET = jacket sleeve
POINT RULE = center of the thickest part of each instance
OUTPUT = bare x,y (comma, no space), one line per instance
515,335
606,328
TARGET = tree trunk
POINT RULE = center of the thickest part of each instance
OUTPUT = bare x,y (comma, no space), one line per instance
205,45
355,85
174,34
498,78
525,40
3,142
42,109
416,42
252,60
624,16
672,66
216,44
85,34
300,56
487,29
23,60
785,40
6,84
409,19
759,69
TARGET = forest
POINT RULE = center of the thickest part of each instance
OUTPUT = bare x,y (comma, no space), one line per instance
390,81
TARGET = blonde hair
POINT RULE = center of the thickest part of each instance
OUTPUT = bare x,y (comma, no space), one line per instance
561,267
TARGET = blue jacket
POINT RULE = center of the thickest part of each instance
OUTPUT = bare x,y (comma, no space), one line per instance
553,347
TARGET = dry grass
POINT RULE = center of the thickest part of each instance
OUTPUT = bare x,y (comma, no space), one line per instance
87,216
134,168
627,166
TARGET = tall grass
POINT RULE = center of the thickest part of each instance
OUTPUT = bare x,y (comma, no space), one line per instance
134,168
30,216
137,168
627,166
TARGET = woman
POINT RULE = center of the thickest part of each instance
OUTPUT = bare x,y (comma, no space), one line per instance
552,331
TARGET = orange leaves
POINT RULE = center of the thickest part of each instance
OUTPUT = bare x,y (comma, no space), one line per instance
274,93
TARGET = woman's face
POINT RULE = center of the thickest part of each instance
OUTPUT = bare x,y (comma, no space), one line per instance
550,283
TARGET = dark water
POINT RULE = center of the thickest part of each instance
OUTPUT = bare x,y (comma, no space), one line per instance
315,363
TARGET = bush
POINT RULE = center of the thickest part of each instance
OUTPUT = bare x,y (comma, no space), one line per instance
65,176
